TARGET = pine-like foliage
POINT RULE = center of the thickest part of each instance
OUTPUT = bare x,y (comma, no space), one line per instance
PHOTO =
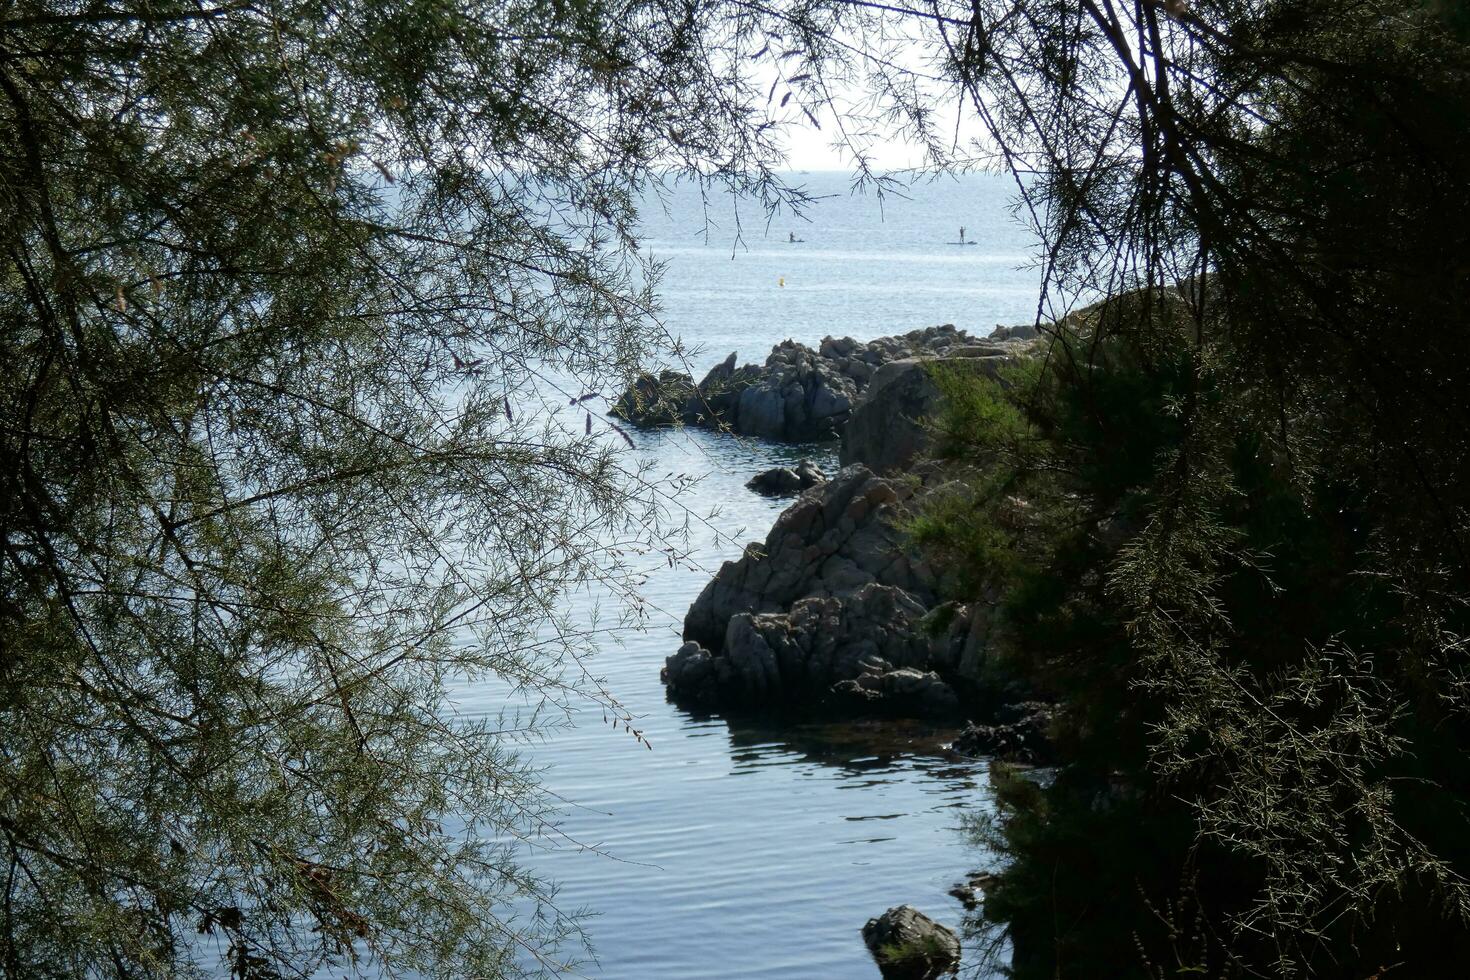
1238,711
287,287
1229,508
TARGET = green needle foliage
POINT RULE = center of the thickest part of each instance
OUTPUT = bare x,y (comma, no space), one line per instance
1228,509
287,286
286,289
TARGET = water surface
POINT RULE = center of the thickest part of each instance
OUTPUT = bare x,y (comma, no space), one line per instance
740,848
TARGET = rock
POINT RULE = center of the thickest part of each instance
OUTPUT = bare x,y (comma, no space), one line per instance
717,398
761,411
801,397
906,692
694,671
1021,733
833,610
783,481
830,542
656,400
971,891
889,425
798,395
1020,331
908,945
865,650
810,474
777,482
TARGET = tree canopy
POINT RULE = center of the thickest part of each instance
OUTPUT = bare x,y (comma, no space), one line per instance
1242,564
287,287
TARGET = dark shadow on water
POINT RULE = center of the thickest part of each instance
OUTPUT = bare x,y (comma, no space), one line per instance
861,746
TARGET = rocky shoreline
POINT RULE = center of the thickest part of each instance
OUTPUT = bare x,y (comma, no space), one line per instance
797,395
832,611
835,612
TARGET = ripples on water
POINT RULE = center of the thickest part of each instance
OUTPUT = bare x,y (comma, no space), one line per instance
756,849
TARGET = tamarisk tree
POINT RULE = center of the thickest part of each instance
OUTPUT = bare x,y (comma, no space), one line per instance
285,287
1228,507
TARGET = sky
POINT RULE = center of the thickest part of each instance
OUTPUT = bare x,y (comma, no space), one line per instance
810,148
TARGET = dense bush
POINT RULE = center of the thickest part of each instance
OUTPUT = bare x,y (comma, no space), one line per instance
1262,752
1229,509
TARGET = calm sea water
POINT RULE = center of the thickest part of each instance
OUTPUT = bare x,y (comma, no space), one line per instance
737,848
863,268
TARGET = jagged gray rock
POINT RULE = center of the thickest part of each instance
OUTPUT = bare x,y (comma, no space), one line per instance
908,945
831,541
863,652
798,395
833,609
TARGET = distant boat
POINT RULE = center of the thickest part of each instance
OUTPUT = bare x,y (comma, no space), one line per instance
962,243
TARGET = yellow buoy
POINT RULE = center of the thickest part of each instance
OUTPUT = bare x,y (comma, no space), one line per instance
781,281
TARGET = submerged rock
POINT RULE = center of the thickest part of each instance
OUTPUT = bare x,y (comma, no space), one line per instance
908,945
1021,733
779,481
972,891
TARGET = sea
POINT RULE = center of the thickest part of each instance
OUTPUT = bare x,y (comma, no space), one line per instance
742,847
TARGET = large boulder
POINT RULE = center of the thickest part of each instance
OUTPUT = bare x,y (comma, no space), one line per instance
908,945
779,481
834,611
802,397
889,427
